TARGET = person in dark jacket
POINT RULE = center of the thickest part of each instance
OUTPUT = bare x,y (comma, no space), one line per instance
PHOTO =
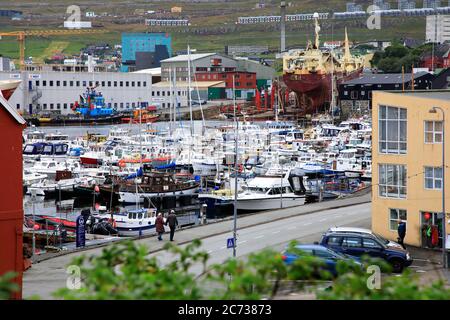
172,221
401,229
159,226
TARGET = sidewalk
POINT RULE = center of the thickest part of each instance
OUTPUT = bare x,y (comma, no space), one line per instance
224,226
428,265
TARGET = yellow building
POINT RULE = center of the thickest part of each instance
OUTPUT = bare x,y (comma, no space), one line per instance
407,164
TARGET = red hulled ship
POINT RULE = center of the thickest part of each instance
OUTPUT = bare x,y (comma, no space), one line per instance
314,74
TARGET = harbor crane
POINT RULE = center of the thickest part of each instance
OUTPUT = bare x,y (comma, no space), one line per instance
21,35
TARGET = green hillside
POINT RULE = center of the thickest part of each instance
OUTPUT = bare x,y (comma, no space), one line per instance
212,24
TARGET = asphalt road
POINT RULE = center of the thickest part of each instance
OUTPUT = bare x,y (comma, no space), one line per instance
47,276
278,234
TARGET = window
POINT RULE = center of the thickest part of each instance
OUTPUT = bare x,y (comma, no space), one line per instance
109,83
323,254
354,95
65,105
351,242
78,83
394,216
44,83
71,83
37,83
433,131
115,83
392,130
103,84
334,241
58,83
51,83
64,83
392,180
370,243
433,178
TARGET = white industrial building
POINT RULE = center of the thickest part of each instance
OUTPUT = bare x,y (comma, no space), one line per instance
55,92
438,28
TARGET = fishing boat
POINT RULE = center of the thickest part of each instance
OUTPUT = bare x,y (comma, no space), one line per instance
132,223
142,115
310,72
260,193
91,108
154,184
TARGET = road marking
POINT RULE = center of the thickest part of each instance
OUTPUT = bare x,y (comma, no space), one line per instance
210,251
259,237
322,220
275,232
420,271
243,241
292,228
339,216
221,248
307,224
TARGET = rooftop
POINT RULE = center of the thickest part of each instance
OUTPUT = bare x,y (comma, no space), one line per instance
384,78
194,84
185,57
428,94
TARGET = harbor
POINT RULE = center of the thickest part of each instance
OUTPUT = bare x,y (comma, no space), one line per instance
123,169
186,152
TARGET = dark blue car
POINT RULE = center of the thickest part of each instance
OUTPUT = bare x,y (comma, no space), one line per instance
357,244
329,257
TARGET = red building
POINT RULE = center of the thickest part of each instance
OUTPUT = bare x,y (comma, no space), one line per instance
11,197
440,59
243,79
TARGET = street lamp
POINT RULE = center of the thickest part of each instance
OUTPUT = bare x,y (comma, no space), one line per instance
444,219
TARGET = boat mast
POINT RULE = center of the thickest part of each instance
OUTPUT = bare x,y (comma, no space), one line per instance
140,151
170,101
189,89
317,30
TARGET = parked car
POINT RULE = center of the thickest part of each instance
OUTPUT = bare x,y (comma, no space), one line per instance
328,256
387,242
198,102
359,244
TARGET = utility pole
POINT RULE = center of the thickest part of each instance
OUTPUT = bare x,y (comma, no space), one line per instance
444,217
235,169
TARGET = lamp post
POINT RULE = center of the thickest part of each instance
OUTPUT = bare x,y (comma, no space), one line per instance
444,219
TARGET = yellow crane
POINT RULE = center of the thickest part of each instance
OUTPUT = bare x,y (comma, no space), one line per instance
20,35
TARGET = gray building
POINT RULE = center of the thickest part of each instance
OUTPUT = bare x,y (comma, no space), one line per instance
55,92
212,62
200,62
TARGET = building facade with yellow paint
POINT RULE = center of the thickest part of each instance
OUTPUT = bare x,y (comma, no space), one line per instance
407,165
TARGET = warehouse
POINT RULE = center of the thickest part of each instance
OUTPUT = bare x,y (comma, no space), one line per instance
55,92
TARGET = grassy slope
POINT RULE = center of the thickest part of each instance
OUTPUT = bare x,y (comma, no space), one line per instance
198,13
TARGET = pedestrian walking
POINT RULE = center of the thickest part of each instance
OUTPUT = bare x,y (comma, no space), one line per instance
172,221
401,229
159,226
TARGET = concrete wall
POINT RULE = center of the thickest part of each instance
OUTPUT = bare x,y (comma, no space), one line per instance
419,154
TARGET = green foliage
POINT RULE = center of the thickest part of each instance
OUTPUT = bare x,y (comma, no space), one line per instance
125,271
397,56
7,287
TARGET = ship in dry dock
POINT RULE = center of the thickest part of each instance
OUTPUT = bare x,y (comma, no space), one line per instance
310,72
